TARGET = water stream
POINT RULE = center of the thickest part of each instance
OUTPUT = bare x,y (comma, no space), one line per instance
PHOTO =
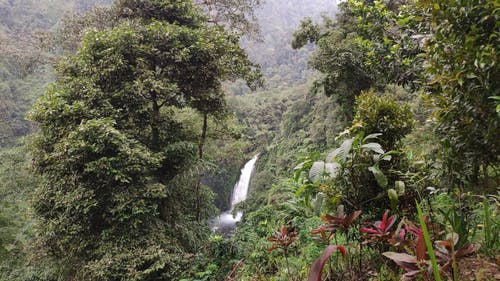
226,222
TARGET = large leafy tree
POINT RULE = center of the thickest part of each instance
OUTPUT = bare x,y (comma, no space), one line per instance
110,145
234,15
369,45
463,67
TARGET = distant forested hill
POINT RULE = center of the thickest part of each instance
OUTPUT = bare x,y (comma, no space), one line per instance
278,19
25,62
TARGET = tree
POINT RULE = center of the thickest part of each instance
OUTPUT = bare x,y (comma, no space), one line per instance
340,60
383,114
110,145
463,75
235,15
369,45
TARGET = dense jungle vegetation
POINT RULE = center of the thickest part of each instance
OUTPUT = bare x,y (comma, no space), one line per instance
124,125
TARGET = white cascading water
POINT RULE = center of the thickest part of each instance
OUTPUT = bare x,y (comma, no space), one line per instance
226,222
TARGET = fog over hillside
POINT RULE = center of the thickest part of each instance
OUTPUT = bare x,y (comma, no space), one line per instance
278,19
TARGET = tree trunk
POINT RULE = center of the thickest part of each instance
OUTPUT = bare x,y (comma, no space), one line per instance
200,156
155,120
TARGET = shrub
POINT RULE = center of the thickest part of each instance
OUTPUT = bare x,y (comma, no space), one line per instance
382,113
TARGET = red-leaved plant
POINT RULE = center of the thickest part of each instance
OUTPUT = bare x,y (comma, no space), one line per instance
447,253
340,221
380,230
283,239
326,231
412,264
418,263
319,263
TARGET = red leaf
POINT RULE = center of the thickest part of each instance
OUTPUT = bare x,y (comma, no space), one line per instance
413,273
467,250
409,263
319,263
390,222
368,230
420,248
352,217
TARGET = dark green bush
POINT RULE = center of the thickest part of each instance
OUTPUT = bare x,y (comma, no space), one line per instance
382,113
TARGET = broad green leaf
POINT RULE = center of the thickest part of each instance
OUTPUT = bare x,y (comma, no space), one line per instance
400,187
332,169
393,195
341,153
379,176
373,146
316,171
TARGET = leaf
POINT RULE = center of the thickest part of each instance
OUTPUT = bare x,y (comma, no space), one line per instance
301,189
386,157
388,222
368,230
319,263
452,236
467,250
317,169
427,239
400,187
400,257
373,146
300,165
332,168
341,153
372,136
405,261
353,217
379,176
393,195
420,249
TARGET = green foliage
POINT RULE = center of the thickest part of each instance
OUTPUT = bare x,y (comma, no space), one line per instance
119,131
25,59
114,152
387,32
307,32
369,45
491,242
428,243
341,61
463,74
352,171
383,114
178,12
17,182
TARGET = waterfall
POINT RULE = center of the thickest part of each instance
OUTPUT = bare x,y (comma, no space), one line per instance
226,222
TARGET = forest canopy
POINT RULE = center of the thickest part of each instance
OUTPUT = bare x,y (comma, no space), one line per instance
372,129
